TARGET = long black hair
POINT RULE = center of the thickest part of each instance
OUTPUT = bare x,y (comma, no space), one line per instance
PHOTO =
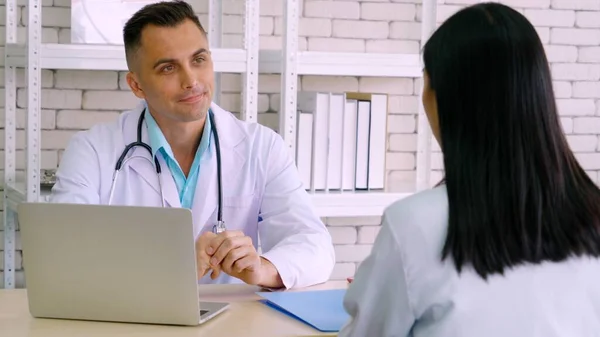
516,191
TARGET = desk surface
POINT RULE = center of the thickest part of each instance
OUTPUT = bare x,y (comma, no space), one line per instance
245,318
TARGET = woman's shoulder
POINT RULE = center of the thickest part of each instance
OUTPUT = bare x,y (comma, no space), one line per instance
427,204
419,221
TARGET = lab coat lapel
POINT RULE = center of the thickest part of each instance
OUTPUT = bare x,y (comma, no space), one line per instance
143,164
232,162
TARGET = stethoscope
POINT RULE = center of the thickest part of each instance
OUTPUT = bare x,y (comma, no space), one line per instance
220,225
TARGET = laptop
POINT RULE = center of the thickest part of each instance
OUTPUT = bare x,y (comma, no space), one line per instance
112,263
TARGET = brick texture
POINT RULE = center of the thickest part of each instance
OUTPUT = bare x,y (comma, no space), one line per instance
569,29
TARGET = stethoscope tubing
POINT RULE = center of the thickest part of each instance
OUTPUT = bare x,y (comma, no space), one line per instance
123,159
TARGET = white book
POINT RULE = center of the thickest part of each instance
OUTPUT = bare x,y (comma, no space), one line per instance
318,104
349,145
336,128
362,145
377,142
304,140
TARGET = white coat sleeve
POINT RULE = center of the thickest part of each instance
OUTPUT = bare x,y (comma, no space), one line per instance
378,299
292,236
78,174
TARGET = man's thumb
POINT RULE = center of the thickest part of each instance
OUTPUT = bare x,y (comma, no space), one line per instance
203,269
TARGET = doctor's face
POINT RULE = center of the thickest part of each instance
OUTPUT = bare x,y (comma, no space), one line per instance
174,72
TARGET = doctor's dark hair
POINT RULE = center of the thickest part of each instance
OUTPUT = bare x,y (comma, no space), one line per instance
161,14
516,192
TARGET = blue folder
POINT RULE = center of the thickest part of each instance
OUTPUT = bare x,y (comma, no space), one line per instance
321,309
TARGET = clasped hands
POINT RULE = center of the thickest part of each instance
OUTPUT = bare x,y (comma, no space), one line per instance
230,252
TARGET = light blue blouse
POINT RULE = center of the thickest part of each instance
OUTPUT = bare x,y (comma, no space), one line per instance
404,289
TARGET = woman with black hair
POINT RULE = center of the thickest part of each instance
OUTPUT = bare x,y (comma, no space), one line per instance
507,245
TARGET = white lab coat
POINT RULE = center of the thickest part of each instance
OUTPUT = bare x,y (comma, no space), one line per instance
404,289
259,175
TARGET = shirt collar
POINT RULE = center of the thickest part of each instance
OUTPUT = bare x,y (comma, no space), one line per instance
158,142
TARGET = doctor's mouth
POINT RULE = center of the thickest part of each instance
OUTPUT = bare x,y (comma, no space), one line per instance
194,98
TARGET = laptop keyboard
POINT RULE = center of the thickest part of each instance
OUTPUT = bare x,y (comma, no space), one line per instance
202,312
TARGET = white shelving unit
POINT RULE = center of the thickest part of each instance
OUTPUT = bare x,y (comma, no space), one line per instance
248,61
293,63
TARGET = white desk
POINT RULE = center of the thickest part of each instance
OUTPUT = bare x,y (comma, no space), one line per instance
245,318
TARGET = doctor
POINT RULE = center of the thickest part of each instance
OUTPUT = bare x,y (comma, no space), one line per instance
190,141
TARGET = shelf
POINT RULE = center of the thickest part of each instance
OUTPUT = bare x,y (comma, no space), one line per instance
354,204
108,57
15,195
345,64
332,204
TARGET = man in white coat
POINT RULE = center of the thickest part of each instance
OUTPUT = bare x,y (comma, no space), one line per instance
171,71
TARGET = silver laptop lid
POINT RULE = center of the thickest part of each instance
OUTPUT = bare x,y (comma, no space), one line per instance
110,263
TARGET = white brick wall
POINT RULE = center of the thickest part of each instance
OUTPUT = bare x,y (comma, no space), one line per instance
570,30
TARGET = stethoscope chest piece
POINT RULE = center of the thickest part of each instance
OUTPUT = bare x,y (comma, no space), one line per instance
219,227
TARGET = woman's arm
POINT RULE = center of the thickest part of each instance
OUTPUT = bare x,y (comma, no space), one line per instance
377,299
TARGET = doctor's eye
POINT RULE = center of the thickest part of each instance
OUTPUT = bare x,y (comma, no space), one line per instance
166,69
199,59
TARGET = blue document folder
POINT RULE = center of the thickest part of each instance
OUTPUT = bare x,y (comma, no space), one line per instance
321,309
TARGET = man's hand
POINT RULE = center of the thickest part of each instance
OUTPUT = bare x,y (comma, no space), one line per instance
234,253
202,258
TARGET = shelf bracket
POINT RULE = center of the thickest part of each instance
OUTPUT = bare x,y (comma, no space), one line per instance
423,161
289,76
34,94
250,77
10,126
215,36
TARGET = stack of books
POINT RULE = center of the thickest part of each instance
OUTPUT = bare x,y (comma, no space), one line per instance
341,141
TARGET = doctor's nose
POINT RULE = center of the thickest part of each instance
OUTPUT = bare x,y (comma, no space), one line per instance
188,80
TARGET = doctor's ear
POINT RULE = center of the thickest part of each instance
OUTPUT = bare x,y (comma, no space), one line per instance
134,84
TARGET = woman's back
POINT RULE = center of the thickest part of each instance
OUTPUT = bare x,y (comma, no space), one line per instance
508,245
405,289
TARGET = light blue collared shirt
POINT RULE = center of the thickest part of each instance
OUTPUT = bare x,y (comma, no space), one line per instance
186,186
